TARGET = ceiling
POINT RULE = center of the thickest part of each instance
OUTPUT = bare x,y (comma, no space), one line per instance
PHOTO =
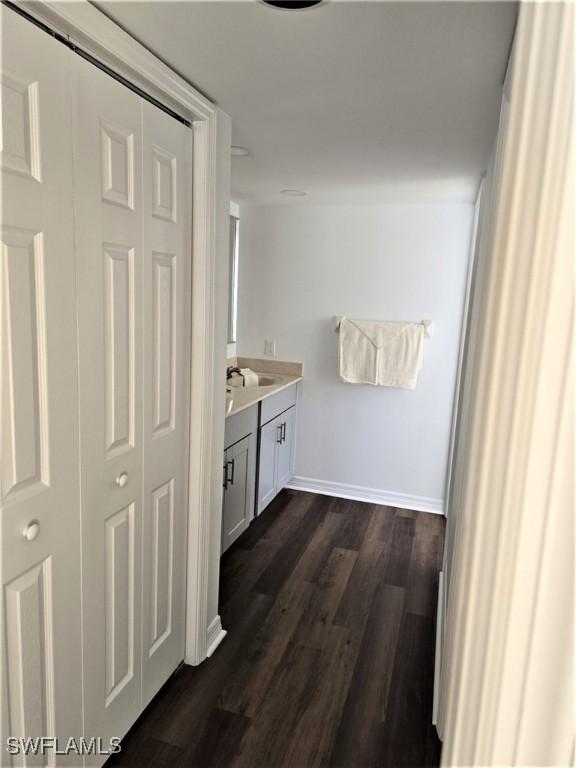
354,102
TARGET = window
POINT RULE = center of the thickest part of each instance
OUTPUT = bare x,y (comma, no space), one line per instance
233,280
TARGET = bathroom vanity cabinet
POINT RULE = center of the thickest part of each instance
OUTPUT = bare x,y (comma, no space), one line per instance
258,460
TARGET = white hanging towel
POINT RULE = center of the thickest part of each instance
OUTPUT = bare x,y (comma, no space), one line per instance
383,354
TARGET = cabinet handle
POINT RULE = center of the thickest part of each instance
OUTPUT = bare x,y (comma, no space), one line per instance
230,478
283,431
225,471
279,434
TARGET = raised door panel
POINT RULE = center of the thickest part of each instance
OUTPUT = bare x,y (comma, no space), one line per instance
29,651
162,565
285,468
20,141
108,206
40,596
24,449
164,184
117,164
119,579
164,352
119,347
167,174
267,466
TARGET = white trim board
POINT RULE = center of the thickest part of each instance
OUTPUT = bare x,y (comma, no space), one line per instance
215,635
370,495
440,610
507,675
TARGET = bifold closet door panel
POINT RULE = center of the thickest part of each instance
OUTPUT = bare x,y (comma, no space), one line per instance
167,174
108,206
40,520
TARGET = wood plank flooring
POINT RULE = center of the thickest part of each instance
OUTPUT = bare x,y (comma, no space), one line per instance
330,608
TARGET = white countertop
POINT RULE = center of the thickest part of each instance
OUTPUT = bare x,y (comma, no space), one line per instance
241,398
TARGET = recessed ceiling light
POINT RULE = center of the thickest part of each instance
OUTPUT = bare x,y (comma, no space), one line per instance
292,5
239,151
294,192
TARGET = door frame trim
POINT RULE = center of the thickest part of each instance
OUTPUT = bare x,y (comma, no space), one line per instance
88,27
507,677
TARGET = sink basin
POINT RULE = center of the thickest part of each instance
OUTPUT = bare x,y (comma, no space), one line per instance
237,398
267,381
237,382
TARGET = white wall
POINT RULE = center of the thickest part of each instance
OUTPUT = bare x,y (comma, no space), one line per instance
302,265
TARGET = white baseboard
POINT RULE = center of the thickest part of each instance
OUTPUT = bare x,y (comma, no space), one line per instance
371,495
215,636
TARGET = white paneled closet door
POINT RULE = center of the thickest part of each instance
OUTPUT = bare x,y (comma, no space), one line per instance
167,162
40,567
132,175
109,253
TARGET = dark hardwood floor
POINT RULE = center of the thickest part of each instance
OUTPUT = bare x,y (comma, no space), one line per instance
330,609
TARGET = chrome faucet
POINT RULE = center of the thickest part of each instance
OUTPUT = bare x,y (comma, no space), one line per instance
231,370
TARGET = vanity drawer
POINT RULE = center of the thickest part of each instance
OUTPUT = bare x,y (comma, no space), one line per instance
241,424
272,406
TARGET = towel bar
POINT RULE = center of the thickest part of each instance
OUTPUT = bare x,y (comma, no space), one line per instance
428,325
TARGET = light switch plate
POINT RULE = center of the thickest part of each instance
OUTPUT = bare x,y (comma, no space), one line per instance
270,347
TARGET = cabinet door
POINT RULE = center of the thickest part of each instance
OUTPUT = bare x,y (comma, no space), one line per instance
40,563
238,498
223,536
269,444
285,462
